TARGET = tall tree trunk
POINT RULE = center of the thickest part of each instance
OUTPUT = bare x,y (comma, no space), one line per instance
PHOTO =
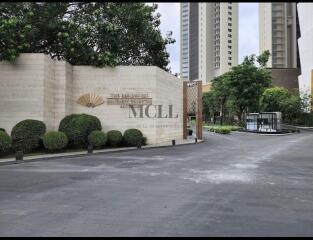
222,114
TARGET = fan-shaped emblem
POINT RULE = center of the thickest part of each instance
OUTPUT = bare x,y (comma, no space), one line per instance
90,100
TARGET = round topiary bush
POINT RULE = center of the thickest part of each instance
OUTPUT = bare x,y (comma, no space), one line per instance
26,135
77,127
65,122
133,137
5,143
115,138
97,138
54,141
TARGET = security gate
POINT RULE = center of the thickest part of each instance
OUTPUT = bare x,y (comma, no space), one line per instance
192,92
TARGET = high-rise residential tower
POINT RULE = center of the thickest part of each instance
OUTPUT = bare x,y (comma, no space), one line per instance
278,33
305,10
209,39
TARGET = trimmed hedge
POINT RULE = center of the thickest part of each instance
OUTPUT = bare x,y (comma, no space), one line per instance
97,138
65,122
219,129
26,135
5,143
54,141
235,128
223,130
133,137
77,127
115,138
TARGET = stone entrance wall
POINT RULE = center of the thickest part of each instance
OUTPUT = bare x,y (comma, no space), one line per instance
37,87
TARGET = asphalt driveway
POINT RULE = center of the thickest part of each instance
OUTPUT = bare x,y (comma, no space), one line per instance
237,185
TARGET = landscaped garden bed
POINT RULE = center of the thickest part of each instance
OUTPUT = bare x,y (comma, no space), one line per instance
222,129
76,132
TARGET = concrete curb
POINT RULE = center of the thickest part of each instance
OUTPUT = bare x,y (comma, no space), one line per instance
268,134
7,161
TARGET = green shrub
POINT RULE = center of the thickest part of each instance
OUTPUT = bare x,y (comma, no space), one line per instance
216,128
234,127
54,141
2,129
5,143
65,122
77,127
190,131
115,138
97,138
26,135
210,128
222,130
133,137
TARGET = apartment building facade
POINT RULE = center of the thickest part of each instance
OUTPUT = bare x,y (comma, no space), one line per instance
209,39
305,42
278,33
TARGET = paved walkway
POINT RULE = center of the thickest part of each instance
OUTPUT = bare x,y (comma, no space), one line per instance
237,185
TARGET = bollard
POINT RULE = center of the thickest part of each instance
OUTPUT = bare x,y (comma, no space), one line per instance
196,140
18,156
90,148
173,142
139,145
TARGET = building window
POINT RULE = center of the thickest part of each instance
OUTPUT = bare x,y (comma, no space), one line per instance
229,64
229,58
229,13
229,7
229,24
229,41
229,52
229,47
229,18
229,30
229,35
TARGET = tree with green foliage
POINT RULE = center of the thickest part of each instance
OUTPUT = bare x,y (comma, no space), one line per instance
239,90
279,99
210,105
84,33
245,85
221,92
291,109
263,58
273,99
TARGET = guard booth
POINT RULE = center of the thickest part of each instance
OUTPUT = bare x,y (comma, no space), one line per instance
264,122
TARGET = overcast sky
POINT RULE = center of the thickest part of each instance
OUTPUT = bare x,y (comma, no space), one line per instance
248,30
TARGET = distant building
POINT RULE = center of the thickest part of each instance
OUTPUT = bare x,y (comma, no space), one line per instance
286,77
305,42
278,33
209,39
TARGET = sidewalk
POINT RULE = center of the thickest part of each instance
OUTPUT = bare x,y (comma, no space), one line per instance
189,140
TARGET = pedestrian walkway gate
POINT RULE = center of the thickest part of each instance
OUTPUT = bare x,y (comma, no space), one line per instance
192,105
